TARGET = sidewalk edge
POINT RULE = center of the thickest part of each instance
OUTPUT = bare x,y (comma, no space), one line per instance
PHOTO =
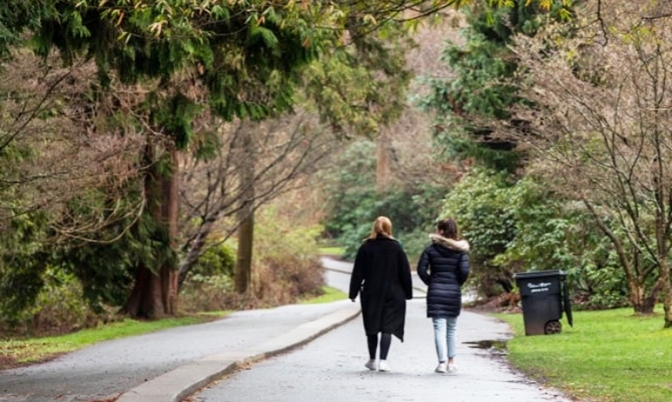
180,383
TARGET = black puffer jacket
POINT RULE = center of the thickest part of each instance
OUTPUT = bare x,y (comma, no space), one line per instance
444,268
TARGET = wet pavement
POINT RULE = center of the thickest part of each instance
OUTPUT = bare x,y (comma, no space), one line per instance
331,369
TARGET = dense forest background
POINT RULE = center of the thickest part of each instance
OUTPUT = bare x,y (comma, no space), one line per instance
171,156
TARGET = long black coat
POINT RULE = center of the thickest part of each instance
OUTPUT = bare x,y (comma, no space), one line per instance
448,266
382,277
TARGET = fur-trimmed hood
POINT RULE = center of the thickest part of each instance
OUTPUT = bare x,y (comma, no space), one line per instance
459,245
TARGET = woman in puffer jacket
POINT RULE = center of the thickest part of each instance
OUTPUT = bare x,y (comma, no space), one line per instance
444,268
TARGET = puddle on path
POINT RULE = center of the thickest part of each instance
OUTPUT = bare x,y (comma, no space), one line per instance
495,347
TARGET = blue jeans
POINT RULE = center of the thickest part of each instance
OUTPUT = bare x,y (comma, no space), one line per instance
444,337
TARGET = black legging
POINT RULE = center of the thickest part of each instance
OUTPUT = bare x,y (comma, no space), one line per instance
372,342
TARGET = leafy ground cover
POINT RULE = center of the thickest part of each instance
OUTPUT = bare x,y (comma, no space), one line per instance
608,356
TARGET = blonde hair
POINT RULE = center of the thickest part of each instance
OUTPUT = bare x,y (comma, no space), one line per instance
381,226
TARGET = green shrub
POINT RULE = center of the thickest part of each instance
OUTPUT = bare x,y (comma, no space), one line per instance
59,308
217,260
597,287
521,226
479,204
207,293
22,266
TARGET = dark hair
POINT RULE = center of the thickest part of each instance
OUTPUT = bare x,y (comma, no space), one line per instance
448,228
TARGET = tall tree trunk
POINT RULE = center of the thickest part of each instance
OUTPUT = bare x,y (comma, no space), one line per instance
243,272
243,275
169,218
154,293
383,161
662,243
663,201
667,292
642,303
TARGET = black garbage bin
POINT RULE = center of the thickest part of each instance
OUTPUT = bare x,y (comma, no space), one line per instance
544,295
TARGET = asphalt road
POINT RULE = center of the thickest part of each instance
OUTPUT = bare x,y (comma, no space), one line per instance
107,369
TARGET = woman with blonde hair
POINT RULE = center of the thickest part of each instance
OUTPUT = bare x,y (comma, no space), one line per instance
382,277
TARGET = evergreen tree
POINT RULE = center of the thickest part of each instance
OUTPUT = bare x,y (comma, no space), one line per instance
472,106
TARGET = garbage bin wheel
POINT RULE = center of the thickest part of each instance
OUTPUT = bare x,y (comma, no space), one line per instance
552,327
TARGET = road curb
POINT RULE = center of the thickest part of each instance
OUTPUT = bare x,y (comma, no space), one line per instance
178,384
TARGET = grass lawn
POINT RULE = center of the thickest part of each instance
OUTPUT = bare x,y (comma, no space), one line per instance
608,356
337,251
330,295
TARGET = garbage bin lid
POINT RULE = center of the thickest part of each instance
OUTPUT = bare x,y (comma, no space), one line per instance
539,274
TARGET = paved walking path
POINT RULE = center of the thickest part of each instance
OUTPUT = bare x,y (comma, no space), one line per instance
172,364
331,369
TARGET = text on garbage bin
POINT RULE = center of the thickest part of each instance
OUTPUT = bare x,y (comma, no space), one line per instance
539,287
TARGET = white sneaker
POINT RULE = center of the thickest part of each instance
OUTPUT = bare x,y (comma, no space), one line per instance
371,365
382,366
441,368
452,368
